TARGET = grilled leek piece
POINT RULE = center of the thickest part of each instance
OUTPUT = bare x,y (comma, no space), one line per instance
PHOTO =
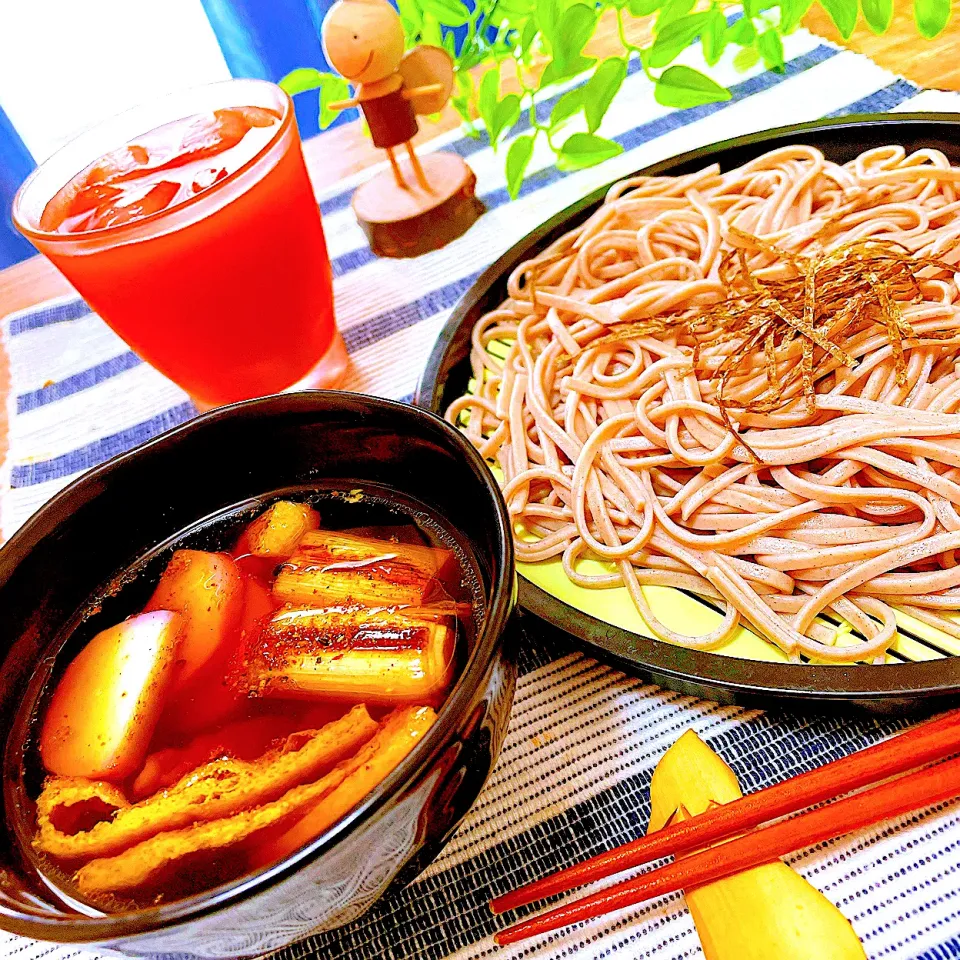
278,530
331,569
376,656
766,913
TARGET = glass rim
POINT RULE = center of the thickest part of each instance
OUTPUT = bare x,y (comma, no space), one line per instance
47,236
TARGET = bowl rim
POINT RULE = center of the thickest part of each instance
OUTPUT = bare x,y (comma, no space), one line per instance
500,605
876,688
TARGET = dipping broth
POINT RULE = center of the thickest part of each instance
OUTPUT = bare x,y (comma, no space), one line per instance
239,690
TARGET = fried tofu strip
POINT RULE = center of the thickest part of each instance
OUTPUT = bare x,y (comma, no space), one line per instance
214,790
148,865
401,732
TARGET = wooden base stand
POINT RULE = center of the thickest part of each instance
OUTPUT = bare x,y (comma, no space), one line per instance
408,221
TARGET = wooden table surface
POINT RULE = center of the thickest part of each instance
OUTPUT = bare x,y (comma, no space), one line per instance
343,151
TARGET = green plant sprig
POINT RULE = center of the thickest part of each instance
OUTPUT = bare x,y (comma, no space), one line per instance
555,34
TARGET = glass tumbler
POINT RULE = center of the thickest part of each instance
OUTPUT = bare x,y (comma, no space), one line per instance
230,292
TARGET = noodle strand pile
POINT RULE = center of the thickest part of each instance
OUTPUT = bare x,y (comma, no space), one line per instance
744,385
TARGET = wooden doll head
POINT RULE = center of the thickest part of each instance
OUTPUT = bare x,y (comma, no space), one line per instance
363,39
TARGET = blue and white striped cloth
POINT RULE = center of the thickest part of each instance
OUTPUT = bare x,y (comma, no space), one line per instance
574,775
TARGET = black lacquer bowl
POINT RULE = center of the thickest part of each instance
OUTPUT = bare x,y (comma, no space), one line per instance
99,525
888,688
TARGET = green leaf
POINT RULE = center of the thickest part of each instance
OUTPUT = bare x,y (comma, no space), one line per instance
463,100
548,16
566,107
557,70
771,49
306,78
586,150
514,12
332,89
601,88
643,8
931,16
746,58
676,37
683,87
528,35
431,32
743,32
518,156
489,91
505,114
451,13
714,36
577,25
844,14
575,28
672,10
468,58
791,13
878,14
461,104
412,17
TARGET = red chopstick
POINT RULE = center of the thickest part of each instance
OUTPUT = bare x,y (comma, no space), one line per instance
924,788
914,748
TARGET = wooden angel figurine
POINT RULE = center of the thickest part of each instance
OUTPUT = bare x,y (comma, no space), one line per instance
418,205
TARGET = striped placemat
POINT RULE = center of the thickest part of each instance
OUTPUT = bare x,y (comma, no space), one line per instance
574,775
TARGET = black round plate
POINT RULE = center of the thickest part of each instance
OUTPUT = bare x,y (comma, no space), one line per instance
888,688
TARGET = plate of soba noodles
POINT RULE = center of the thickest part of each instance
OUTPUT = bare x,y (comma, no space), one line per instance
722,400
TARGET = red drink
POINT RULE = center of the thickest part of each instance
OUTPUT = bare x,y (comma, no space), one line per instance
199,242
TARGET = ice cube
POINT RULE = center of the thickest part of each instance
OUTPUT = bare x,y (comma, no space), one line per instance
207,178
157,198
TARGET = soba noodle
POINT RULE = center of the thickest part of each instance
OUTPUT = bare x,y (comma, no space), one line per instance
744,385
